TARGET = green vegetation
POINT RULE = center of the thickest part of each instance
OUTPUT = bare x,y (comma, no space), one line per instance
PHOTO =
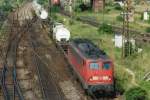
5,6
118,7
136,93
43,2
148,29
105,28
112,15
119,18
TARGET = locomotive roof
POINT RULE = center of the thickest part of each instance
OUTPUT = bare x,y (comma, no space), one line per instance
88,49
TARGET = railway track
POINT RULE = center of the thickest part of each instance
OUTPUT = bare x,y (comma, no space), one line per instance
49,86
93,96
10,86
9,79
48,83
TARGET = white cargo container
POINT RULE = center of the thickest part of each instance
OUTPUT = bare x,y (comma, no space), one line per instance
60,33
145,16
118,40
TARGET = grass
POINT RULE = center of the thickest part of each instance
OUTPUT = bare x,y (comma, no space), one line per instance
138,63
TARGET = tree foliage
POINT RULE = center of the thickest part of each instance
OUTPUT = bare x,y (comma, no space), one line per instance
117,7
119,18
148,29
43,2
6,6
105,28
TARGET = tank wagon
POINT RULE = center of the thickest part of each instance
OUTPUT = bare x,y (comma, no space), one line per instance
60,33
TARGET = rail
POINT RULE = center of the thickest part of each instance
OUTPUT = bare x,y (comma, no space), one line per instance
12,50
48,84
4,88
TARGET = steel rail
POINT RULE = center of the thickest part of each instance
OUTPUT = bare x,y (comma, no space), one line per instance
3,85
38,60
13,51
12,48
37,70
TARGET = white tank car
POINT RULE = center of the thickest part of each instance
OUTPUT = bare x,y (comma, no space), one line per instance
60,33
39,10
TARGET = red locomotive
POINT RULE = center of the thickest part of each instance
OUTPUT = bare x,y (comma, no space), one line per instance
91,65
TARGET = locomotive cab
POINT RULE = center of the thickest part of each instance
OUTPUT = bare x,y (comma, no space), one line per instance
100,75
100,72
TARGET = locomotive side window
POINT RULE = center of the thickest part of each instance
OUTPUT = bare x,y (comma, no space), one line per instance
94,66
106,66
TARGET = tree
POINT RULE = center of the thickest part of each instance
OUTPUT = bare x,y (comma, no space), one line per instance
6,6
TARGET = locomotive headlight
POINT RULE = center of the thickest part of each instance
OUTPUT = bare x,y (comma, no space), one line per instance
94,78
106,78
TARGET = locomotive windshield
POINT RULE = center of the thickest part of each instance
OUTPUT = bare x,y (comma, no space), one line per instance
106,66
94,66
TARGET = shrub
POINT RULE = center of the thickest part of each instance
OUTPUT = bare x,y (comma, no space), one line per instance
119,88
119,18
42,2
117,7
55,9
136,93
77,9
106,28
109,2
6,7
122,81
142,16
107,10
71,22
148,29
82,7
